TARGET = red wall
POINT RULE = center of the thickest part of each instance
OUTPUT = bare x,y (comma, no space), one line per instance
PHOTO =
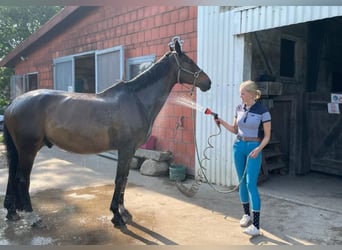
142,31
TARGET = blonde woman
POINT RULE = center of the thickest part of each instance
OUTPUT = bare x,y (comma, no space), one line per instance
250,117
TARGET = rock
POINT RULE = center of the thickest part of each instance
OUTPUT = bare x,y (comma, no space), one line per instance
153,154
134,163
154,168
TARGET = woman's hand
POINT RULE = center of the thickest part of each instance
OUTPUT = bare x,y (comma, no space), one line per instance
255,152
218,121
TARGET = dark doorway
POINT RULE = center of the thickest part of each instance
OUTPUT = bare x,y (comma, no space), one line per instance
85,73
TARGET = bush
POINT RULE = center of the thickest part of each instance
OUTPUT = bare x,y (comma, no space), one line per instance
3,103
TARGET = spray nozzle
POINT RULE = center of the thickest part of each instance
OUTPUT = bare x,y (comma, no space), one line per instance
209,112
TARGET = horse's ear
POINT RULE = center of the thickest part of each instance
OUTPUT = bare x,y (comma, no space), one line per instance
178,47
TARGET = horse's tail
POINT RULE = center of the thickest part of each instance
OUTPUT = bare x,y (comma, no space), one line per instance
12,152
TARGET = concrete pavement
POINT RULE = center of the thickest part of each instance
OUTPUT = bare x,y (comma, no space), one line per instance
295,210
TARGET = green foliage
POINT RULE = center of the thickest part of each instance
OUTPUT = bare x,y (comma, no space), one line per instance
5,77
16,24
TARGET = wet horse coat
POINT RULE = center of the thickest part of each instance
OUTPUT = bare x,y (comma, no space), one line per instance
121,117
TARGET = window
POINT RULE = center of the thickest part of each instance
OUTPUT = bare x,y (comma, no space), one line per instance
21,84
89,72
287,58
137,65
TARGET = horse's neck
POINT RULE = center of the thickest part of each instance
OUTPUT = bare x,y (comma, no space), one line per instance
154,96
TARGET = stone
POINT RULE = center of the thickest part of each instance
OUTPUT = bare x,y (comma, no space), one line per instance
134,163
153,154
154,168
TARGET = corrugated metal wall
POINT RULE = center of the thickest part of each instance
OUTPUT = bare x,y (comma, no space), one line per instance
266,17
219,56
221,53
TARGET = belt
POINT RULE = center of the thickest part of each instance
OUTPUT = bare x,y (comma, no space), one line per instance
248,138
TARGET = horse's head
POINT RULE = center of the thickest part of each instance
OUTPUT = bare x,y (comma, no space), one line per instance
188,70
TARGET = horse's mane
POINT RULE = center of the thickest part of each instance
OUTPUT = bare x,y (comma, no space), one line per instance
150,75
144,79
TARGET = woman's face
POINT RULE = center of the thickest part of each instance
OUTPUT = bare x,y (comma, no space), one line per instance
246,96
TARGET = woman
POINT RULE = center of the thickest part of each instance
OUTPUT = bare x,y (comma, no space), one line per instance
252,124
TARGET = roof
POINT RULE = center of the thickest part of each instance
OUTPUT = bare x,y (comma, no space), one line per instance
47,31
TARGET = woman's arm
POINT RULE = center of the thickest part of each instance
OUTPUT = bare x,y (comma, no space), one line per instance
265,140
232,128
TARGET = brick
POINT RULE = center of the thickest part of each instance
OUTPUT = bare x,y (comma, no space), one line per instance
158,20
188,137
174,16
184,14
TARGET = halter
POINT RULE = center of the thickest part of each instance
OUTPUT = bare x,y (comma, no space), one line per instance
180,68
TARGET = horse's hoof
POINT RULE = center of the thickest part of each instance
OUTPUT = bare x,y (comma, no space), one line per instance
126,217
13,217
118,222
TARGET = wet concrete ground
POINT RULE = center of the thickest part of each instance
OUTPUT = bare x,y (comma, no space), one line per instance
71,195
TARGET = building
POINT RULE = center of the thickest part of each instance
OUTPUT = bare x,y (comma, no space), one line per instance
295,49
86,49
292,52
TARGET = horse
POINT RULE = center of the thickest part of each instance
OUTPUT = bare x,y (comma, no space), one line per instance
119,118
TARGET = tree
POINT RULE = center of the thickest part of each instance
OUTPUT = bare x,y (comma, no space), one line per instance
16,24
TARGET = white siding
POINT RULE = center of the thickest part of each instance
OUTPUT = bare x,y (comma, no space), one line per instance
217,57
267,17
221,53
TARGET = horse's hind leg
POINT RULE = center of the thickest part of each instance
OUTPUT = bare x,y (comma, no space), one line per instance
23,180
10,201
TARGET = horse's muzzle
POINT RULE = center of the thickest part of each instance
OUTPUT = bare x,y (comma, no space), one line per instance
205,86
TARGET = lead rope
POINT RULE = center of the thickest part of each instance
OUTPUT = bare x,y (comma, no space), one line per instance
201,173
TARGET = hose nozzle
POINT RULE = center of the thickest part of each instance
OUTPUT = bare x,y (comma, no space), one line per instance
209,112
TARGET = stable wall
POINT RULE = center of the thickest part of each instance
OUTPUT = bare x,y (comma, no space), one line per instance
142,31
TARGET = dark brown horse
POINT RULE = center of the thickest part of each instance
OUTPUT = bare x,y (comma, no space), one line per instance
121,117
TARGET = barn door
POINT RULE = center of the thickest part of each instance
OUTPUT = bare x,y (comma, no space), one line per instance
64,73
109,67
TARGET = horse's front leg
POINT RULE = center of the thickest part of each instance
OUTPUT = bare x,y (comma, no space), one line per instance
125,214
121,215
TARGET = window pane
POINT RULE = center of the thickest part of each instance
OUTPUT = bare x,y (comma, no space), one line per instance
287,58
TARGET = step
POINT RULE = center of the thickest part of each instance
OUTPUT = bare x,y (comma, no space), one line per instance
275,165
271,153
273,141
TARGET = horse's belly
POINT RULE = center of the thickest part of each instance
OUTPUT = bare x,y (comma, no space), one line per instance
81,143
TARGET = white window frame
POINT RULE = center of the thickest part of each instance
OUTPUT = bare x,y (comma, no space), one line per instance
20,84
71,58
137,60
98,54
